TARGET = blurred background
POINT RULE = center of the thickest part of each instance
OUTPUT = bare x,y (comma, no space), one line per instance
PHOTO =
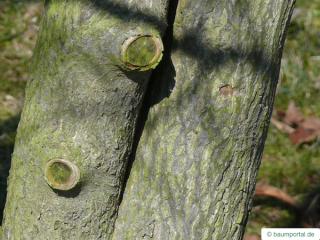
288,190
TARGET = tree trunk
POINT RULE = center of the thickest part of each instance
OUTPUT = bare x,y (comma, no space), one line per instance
196,163
90,73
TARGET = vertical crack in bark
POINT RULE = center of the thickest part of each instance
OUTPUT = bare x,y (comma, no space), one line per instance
157,81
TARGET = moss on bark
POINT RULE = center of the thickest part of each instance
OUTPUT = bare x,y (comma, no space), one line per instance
196,164
81,105
197,160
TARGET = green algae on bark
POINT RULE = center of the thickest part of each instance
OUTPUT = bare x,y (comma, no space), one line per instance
81,104
196,163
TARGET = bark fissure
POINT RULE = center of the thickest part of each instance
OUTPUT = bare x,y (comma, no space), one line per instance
154,85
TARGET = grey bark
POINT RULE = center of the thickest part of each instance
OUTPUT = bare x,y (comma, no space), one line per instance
80,106
196,163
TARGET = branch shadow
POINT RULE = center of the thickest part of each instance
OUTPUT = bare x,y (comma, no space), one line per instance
310,209
189,42
208,59
123,12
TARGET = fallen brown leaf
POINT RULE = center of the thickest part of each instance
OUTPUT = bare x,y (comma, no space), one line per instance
293,115
264,190
283,127
311,123
302,135
251,237
300,129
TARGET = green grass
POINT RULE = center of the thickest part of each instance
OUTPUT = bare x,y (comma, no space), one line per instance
293,169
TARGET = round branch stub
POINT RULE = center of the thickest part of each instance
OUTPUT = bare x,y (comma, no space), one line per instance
141,52
62,174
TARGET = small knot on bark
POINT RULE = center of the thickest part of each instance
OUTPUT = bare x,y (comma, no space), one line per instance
226,90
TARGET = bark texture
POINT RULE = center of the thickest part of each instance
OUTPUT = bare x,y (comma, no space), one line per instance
81,105
196,164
